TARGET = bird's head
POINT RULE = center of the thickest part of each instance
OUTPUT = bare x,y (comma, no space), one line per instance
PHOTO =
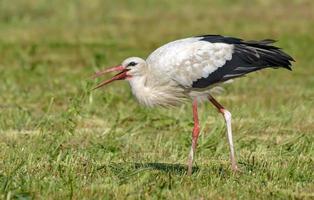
130,67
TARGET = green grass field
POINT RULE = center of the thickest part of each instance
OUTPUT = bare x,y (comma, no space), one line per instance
58,140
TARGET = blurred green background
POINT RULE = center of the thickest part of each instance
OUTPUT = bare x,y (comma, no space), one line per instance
59,140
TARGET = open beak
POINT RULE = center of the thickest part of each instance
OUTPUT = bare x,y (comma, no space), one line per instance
120,76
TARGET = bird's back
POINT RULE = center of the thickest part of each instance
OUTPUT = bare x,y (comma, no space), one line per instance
201,61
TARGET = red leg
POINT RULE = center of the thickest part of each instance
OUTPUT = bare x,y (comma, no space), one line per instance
227,116
195,133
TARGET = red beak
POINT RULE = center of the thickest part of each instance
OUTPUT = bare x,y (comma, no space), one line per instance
120,76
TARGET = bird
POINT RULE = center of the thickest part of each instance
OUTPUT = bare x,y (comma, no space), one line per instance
189,69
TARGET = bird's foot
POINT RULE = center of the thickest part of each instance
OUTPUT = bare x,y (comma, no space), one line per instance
189,171
235,168
190,167
190,161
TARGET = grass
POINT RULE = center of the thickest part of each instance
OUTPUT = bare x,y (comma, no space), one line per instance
58,140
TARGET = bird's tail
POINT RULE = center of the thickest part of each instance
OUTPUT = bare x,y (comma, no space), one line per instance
248,56
263,54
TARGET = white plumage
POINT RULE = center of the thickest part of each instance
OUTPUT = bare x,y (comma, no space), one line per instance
190,68
188,60
171,70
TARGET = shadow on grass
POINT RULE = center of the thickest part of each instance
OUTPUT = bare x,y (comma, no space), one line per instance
166,167
139,167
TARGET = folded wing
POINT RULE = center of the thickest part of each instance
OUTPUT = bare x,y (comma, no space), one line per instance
201,61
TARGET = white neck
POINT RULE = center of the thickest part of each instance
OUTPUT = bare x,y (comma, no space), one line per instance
151,92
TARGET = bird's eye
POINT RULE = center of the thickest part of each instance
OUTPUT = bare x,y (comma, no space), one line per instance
132,64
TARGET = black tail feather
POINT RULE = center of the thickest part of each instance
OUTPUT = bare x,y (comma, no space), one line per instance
248,56
261,51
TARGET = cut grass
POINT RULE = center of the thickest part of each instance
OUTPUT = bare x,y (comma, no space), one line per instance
59,140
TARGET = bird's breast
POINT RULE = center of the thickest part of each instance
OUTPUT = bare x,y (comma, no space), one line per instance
156,92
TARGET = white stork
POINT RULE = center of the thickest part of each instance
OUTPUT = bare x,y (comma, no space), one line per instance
189,68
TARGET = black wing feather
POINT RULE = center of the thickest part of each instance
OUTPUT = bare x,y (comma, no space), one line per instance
248,56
